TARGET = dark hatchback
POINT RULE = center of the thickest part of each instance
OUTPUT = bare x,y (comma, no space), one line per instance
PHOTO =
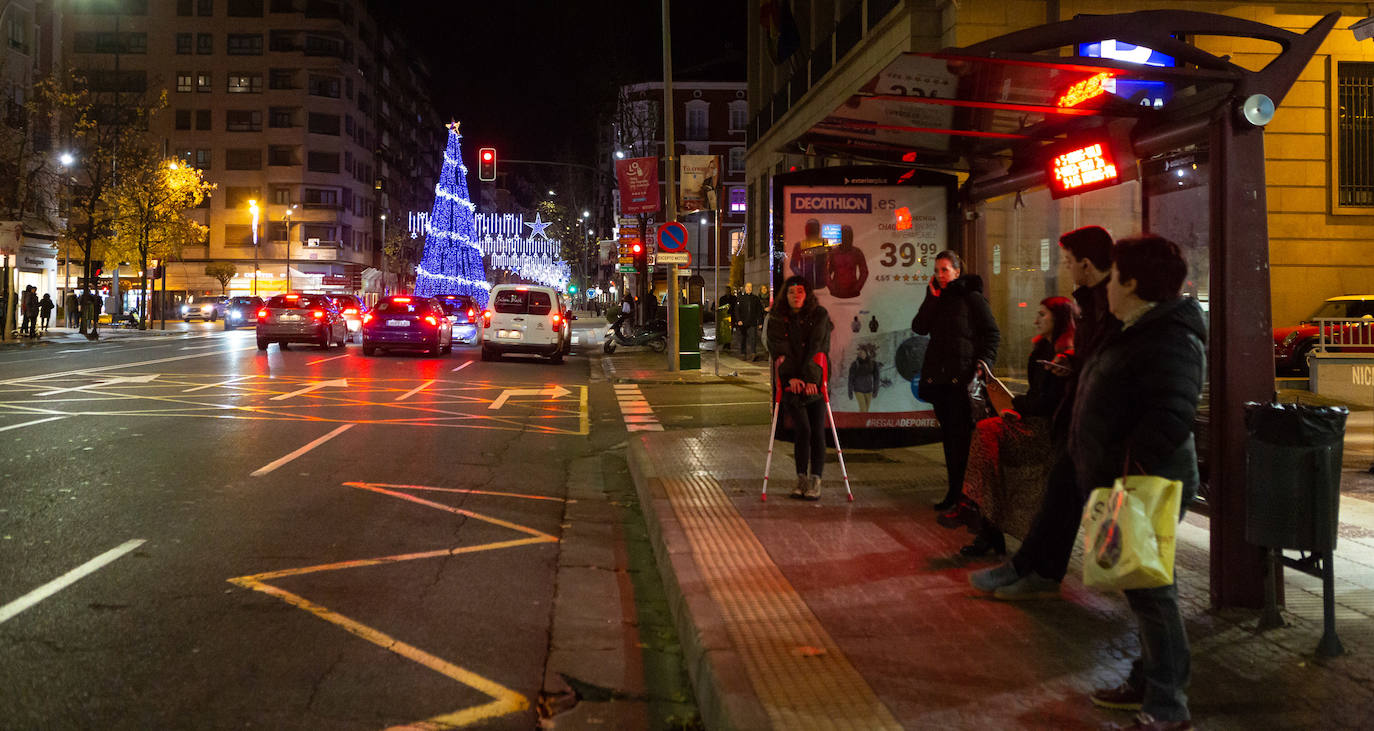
241,311
407,322
301,318
463,312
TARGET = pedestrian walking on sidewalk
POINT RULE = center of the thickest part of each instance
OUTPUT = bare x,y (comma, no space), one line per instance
1039,565
748,317
962,333
1136,403
1010,457
29,309
69,309
45,307
799,341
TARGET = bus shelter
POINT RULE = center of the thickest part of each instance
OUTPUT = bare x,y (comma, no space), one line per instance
1126,121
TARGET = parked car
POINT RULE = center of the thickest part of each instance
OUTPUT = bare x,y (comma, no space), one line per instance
353,309
525,319
241,311
407,322
209,309
1292,344
301,318
464,313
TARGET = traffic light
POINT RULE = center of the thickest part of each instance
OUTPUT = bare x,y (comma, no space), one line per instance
572,289
486,164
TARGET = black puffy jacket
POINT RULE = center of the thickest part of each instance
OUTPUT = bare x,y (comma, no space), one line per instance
797,336
961,329
1139,392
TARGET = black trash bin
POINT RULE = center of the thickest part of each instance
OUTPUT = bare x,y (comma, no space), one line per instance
1293,470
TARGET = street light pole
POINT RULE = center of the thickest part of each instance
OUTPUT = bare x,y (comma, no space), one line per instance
287,217
253,208
398,274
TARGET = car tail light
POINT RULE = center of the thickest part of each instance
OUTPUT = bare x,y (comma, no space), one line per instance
400,299
557,319
262,314
471,314
319,314
431,319
486,318
351,311
293,296
367,318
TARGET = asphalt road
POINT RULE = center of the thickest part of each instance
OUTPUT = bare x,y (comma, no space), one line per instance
194,534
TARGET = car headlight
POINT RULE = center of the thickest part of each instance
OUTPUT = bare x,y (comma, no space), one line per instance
185,309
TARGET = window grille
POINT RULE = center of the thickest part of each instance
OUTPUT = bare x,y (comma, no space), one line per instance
1355,134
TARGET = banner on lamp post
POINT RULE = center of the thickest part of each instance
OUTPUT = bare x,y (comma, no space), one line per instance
698,183
638,179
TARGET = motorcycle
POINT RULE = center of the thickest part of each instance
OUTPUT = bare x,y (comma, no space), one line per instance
654,335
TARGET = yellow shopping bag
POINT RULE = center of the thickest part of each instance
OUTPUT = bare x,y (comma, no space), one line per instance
1128,533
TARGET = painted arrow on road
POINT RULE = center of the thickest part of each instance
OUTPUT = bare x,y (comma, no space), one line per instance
554,392
101,384
339,382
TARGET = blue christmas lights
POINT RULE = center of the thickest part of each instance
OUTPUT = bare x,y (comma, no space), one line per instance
452,263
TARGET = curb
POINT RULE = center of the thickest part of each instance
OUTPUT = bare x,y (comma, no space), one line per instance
726,697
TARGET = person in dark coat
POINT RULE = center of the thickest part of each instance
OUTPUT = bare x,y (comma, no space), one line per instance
865,375
962,334
29,308
1039,565
799,331
1134,411
45,307
748,316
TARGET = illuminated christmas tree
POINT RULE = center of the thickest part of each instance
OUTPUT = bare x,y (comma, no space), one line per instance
452,263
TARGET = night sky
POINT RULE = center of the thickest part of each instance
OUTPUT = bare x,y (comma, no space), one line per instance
530,78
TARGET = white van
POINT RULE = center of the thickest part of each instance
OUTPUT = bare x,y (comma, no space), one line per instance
525,318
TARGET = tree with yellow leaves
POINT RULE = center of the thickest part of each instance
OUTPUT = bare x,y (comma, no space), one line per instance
151,199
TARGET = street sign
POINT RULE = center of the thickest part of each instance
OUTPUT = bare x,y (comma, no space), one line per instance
672,237
627,268
674,257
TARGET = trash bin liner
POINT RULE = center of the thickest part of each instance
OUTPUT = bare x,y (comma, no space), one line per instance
1293,475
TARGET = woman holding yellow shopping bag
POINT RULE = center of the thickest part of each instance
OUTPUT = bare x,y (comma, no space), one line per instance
1137,399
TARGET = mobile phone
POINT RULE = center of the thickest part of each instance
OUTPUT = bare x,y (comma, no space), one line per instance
1054,367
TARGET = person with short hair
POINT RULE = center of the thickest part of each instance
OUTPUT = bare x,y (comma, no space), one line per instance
1134,411
962,334
748,318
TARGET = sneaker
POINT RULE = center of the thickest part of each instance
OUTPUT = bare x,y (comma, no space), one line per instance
799,491
1146,722
813,488
1030,586
990,580
1124,697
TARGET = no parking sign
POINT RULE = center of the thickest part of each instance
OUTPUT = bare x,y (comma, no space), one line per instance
672,243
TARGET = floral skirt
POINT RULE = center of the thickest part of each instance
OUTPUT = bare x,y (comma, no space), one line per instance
1008,463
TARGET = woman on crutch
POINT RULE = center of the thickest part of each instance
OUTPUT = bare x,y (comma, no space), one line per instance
798,330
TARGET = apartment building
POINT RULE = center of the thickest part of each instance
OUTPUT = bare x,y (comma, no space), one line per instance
305,111
709,118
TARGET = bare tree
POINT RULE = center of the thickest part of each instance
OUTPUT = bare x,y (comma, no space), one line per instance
222,271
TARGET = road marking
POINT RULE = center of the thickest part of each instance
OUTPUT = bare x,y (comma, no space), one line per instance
88,371
414,391
461,367
67,579
339,382
323,360
31,423
644,427
279,462
635,409
212,385
463,490
101,384
551,392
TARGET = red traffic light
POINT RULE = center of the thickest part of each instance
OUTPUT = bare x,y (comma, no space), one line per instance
486,164
637,248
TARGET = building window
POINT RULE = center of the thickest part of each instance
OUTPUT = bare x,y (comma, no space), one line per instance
205,44
324,86
281,155
739,115
238,196
203,82
203,119
323,162
317,233
324,197
184,82
698,116
184,43
243,120
323,124
1355,134
203,158
245,8
282,79
282,40
281,196
248,159
205,8
282,117
186,156
736,159
91,42
244,44
323,46
184,7
245,84
739,200
238,234
183,119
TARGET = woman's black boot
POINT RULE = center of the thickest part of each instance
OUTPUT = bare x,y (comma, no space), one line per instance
989,540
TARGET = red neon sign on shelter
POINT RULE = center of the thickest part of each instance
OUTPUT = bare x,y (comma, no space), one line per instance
1083,169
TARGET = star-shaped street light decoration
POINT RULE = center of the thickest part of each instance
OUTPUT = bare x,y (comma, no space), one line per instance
537,228
453,125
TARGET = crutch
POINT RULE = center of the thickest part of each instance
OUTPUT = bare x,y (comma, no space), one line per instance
772,428
825,392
